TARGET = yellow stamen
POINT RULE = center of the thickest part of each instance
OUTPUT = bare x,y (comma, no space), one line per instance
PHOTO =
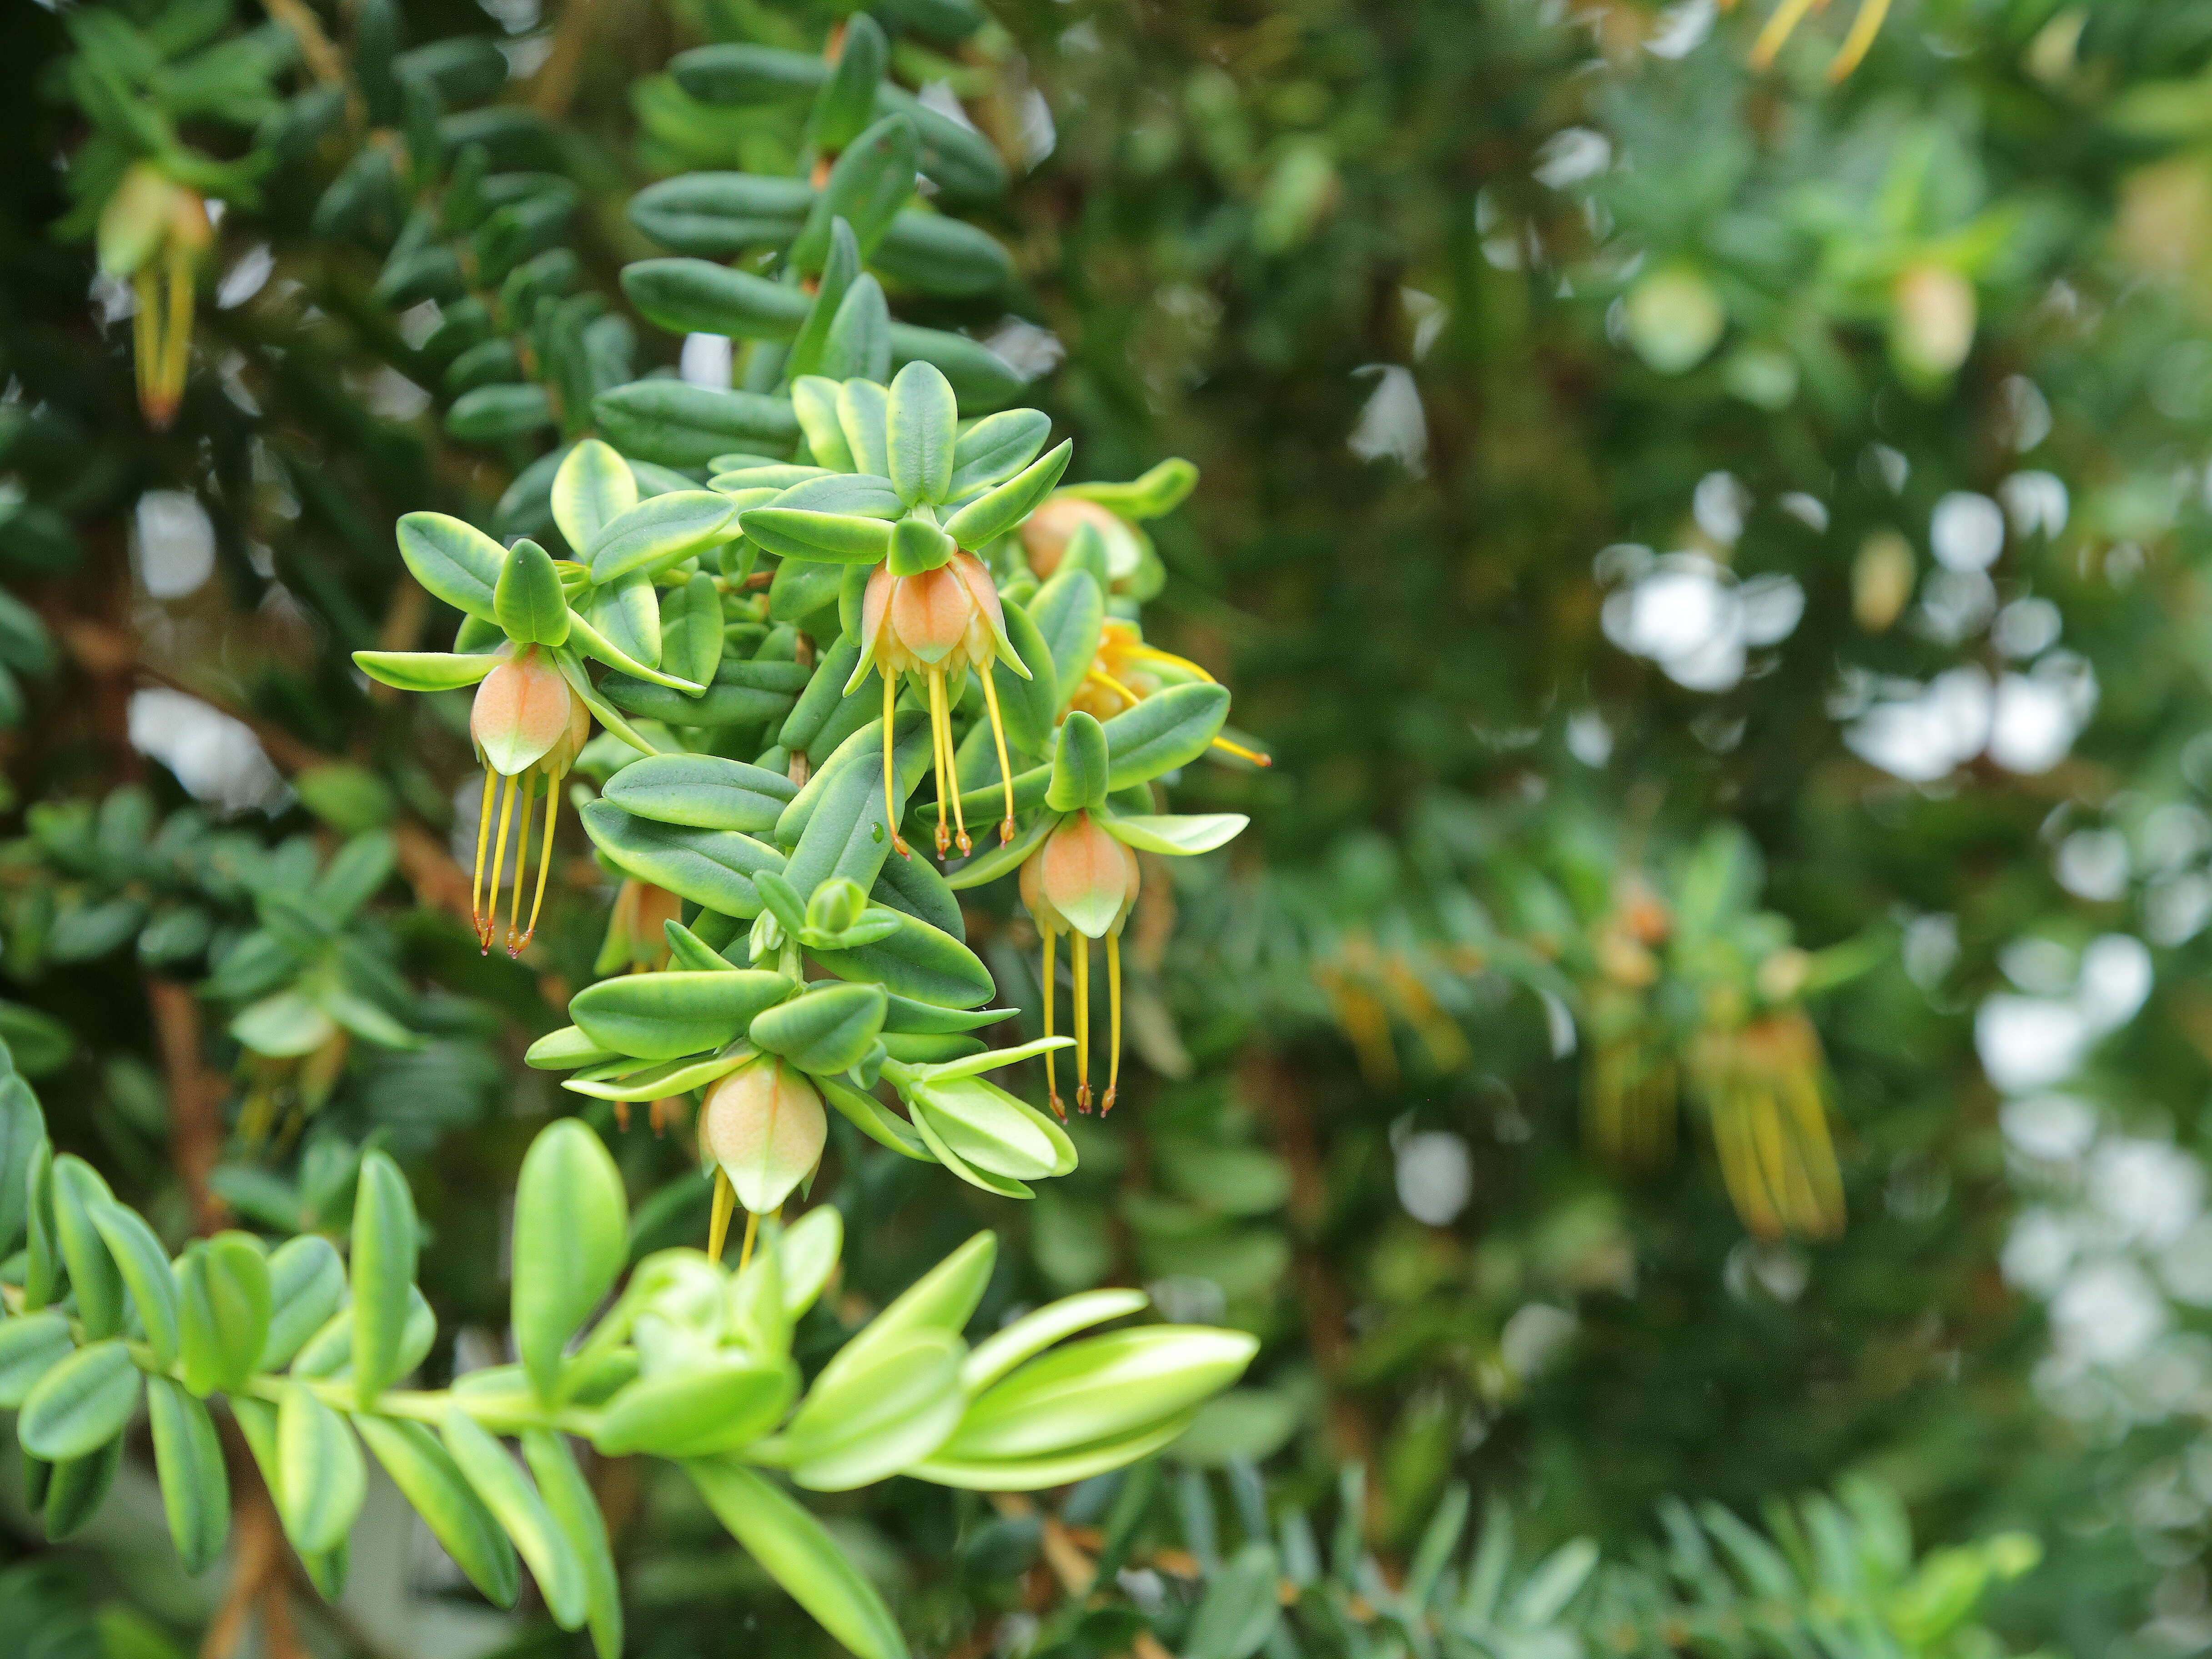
1153,654
1865,27
718,1224
146,335
498,859
622,1114
521,864
752,1232
1242,753
951,780
476,876
891,763
1787,15
1079,948
1100,677
1114,1021
998,737
177,359
1051,1082
544,862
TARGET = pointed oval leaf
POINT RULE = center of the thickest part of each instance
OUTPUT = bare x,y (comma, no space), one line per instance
81,1404
223,1301
702,792
575,1512
594,488
30,1345
527,600
571,1240
188,1459
861,406
995,448
1069,614
998,510
691,630
678,425
144,1265
859,343
429,1480
917,960
825,1031
814,403
78,1195
306,1286
76,1488
868,1417
718,1405
665,1016
1168,730
626,614
382,1276
1032,1333
659,532
454,562
827,538
1099,1388
1179,835
519,1510
711,868
793,1549
426,670
921,423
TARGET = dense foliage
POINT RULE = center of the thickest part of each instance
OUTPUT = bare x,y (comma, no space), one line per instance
1700,513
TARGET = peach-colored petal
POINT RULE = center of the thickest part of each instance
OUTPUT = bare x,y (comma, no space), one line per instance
523,708
930,612
875,609
1085,875
766,1127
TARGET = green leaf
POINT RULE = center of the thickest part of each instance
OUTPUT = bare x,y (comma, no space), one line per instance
188,1459
792,1546
144,1265
743,693
1168,730
830,537
527,600
814,402
1070,614
839,270
306,1288
990,1130
31,1345
76,1488
426,670
1100,1388
1057,1469
917,546
575,1512
995,448
920,428
859,342
945,1298
702,792
917,960
324,1480
842,831
874,1119
691,630
564,1049
862,412
624,615
594,488
571,1241
81,1404
430,1480
1241,1609
384,1247
1032,1333
658,1081
711,868
22,1132
678,425
981,380
719,1404
665,1016
223,1302
1080,766
807,1255
825,692
997,511
454,562
876,1409
511,1498
78,1195
659,532
826,1031
870,180
1160,490
1178,835
698,296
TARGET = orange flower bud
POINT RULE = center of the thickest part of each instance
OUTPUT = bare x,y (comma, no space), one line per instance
525,716
1081,879
765,1127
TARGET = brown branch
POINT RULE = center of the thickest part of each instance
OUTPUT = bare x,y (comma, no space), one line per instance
315,47
195,1098
556,86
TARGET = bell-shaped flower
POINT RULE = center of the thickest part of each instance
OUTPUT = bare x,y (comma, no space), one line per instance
936,624
763,1126
1081,881
527,725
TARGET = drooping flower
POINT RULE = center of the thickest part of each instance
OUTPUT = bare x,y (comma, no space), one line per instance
1083,881
154,233
526,725
764,1126
1125,671
935,625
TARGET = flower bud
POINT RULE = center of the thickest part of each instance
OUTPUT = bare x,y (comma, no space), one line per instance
836,905
524,713
1081,877
1047,532
765,1127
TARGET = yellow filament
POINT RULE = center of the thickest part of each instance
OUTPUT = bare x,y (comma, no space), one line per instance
476,876
891,763
718,1224
1078,947
1051,1082
521,863
498,859
1102,678
1114,1021
1787,17
1153,654
752,1232
1005,770
1242,753
178,357
1865,27
948,774
950,782
544,861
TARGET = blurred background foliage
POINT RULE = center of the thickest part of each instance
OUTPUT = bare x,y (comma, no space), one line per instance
1712,1005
